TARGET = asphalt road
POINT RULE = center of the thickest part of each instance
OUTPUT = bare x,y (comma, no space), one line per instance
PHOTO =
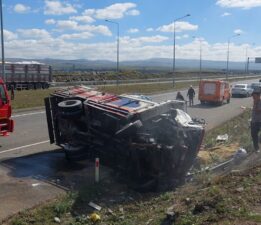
31,129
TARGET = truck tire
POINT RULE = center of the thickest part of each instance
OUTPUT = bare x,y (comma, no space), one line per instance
71,105
37,86
30,86
45,86
70,109
75,153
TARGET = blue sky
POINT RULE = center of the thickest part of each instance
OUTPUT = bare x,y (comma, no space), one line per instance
77,29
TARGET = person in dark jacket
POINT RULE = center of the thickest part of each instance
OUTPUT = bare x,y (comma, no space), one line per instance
256,118
191,94
179,96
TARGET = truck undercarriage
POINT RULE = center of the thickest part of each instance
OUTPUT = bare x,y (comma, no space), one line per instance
153,144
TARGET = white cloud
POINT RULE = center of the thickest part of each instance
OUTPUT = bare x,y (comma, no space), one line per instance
83,18
9,35
180,26
34,33
226,14
149,29
73,25
133,12
20,8
131,49
133,30
238,31
66,24
185,36
101,29
89,12
142,40
115,11
83,35
50,21
58,8
244,4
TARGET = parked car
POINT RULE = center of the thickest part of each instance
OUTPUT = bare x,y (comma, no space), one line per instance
256,85
242,90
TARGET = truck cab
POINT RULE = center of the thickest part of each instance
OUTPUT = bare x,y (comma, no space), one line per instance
214,91
6,123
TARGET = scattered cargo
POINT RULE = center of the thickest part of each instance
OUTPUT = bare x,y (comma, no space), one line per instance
153,144
26,75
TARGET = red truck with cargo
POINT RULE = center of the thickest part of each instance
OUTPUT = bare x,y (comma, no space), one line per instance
27,75
6,123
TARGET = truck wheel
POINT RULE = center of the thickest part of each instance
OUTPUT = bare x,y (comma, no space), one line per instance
72,105
70,109
76,153
45,86
30,86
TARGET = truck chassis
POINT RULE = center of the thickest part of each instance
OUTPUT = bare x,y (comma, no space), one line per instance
153,144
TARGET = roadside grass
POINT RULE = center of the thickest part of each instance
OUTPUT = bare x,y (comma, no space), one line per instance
218,201
29,98
35,98
147,88
230,199
238,131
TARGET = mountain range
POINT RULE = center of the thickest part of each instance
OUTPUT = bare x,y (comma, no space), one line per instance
161,64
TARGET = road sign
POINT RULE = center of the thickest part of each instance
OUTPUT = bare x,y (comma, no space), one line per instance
258,60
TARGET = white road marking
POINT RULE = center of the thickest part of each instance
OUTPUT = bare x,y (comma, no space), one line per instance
28,114
25,146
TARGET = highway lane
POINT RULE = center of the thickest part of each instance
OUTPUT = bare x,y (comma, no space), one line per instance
31,128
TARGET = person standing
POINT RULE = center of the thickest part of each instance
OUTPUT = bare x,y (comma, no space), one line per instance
179,96
256,118
191,94
12,92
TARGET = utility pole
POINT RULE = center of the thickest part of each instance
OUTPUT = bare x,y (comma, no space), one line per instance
118,47
2,42
228,43
174,47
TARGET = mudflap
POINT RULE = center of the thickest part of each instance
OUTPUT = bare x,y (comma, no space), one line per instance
49,119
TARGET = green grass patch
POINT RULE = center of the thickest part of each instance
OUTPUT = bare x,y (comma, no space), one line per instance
238,130
30,98
35,98
146,88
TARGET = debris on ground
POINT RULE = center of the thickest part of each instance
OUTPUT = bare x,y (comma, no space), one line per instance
222,138
95,206
94,217
57,220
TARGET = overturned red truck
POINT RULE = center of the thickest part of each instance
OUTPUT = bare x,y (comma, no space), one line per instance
6,123
153,144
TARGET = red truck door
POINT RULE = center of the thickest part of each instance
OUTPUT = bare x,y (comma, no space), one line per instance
6,124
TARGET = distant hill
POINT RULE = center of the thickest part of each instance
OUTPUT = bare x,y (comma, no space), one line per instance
149,64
